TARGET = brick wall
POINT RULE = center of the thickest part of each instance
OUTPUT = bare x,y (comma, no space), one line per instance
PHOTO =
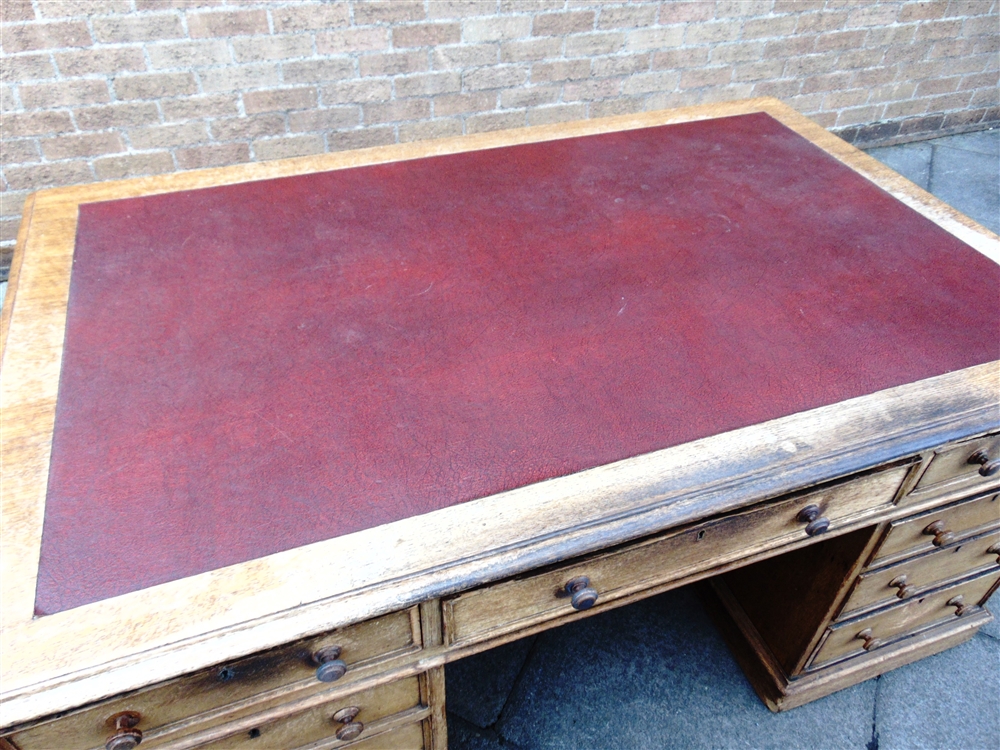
106,89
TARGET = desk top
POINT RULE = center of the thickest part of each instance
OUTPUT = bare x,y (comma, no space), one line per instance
405,372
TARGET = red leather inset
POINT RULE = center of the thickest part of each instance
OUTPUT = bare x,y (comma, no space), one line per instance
255,367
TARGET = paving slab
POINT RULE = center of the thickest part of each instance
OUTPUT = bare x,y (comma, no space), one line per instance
477,686
981,142
949,701
969,181
912,160
657,674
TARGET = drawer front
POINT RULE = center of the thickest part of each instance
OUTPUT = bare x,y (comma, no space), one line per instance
509,605
339,723
938,527
914,576
866,634
219,693
966,467
409,737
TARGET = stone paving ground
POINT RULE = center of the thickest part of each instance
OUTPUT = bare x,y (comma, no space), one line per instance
656,675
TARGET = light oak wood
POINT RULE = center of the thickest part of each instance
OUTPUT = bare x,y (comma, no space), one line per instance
843,641
488,611
910,536
949,470
129,642
408,737
915,576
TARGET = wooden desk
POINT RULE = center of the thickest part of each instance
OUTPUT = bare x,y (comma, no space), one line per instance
293,435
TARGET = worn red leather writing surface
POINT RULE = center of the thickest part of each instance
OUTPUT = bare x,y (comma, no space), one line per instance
254,367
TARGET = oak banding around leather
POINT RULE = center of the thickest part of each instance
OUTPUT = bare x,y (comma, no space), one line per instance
257,604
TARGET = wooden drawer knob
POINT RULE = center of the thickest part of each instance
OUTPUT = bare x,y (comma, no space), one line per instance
350,728
942,535
582,596
987,467
959,603
871,642
815,524
900,583
330,668
994,549
127,734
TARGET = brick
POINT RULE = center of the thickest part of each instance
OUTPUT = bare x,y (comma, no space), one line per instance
779,88
285,47
75,8
893,92
8,232
765,28
891,35
960,119
686,12
861,58
922,11
426,35
138,28
678,59
387,11
813,23
106,61
279,100
12,201
759,71
498,77
725,93
597,43
357,91
979,80
344,41
21,151
958,100
227,23
133,165
877,15
167,136
712,32
333,118
857,115
393,63
985,97
252,76
467,8
938,86
39,36
244,128
620,65
519,6
921,124
647,83
218,155
64,94
973,27
23,68
197,107
739,52
154,85
346,140
558,24
46,175
16,125
626,17
560,70
840,40
460,104
496,29
742,8
12,11
938,30
530,49
799,67
591,90
396,110
872,77
785,48
76,146
952,48
8,101
423,131
529,96
557,113
825,82
620,106
495,121
642,40
288,147
428,84
919,70
310,16
188,54
176,4
117,115
698,77
465,56
844,99
970,8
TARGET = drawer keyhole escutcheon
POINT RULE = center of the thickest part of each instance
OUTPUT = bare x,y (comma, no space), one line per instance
351,729
987,467
582,596
127,734
900,583
959,603
815,524
941,534
871,642
330,668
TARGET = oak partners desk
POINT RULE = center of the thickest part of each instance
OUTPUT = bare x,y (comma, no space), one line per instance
292,435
